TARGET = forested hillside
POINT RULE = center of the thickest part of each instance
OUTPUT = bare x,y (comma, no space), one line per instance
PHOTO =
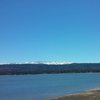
9,69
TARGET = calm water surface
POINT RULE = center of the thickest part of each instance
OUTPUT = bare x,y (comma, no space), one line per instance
44,86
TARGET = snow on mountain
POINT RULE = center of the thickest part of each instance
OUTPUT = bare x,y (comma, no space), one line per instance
42,62
50,62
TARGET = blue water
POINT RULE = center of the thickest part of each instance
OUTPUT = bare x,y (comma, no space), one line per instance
44,86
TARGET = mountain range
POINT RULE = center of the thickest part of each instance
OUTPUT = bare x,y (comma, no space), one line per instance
48,67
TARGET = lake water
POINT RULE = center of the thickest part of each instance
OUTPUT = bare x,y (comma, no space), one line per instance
44,86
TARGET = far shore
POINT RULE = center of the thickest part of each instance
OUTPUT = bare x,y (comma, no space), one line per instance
93,94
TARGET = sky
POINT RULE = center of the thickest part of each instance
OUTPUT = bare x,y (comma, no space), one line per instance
49,30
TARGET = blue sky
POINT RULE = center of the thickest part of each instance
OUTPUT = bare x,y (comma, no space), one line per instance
49,30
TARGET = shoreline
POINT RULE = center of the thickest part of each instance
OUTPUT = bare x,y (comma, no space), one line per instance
50,73
92,94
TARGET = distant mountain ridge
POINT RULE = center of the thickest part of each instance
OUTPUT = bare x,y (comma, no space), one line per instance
43,62
41,68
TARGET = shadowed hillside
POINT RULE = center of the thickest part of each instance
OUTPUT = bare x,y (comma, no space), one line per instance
9,69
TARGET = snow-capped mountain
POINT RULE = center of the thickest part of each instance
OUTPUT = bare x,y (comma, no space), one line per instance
49,62
42,62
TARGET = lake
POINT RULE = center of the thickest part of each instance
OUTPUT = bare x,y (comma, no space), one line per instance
44,86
